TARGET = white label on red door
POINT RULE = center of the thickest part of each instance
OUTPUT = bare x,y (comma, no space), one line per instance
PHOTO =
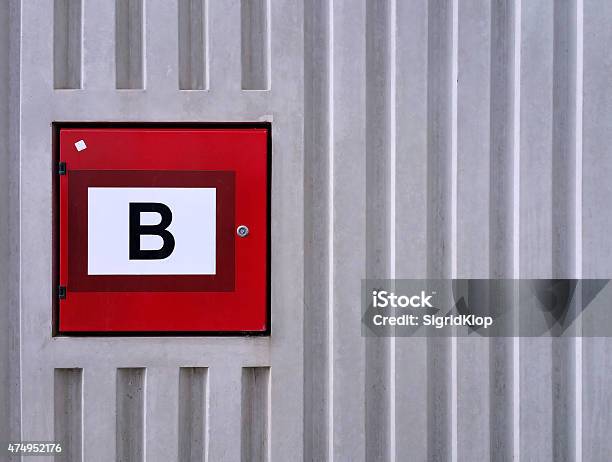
160,231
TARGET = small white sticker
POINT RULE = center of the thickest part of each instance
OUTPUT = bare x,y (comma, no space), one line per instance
80,145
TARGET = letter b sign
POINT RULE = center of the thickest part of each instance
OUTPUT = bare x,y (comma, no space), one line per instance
161,231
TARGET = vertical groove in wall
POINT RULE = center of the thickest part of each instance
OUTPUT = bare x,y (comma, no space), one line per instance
501,205
454,356
7,166
317,233
392,217
410,111
12,123
501,215
331,229
596,221
542,398
129,44
255,40
439,232
516,215
577,52
68,415
348,212
193,414
130,422
67,38
563,194
255,414
564,222
473,204
378,195
193,44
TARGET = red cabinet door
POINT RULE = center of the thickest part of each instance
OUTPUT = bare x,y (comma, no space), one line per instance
163,230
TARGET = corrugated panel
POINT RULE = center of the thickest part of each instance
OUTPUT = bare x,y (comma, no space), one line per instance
410,139
445,139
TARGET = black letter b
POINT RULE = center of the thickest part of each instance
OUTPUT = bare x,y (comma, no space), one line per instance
137,230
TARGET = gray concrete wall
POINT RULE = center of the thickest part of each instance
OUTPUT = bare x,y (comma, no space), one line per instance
410,139
453,139
130,387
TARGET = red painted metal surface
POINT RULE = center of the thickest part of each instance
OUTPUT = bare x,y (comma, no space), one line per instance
173,304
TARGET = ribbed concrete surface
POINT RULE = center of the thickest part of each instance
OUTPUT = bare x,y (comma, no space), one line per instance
410,139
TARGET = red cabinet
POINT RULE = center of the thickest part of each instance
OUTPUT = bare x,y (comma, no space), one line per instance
163,229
